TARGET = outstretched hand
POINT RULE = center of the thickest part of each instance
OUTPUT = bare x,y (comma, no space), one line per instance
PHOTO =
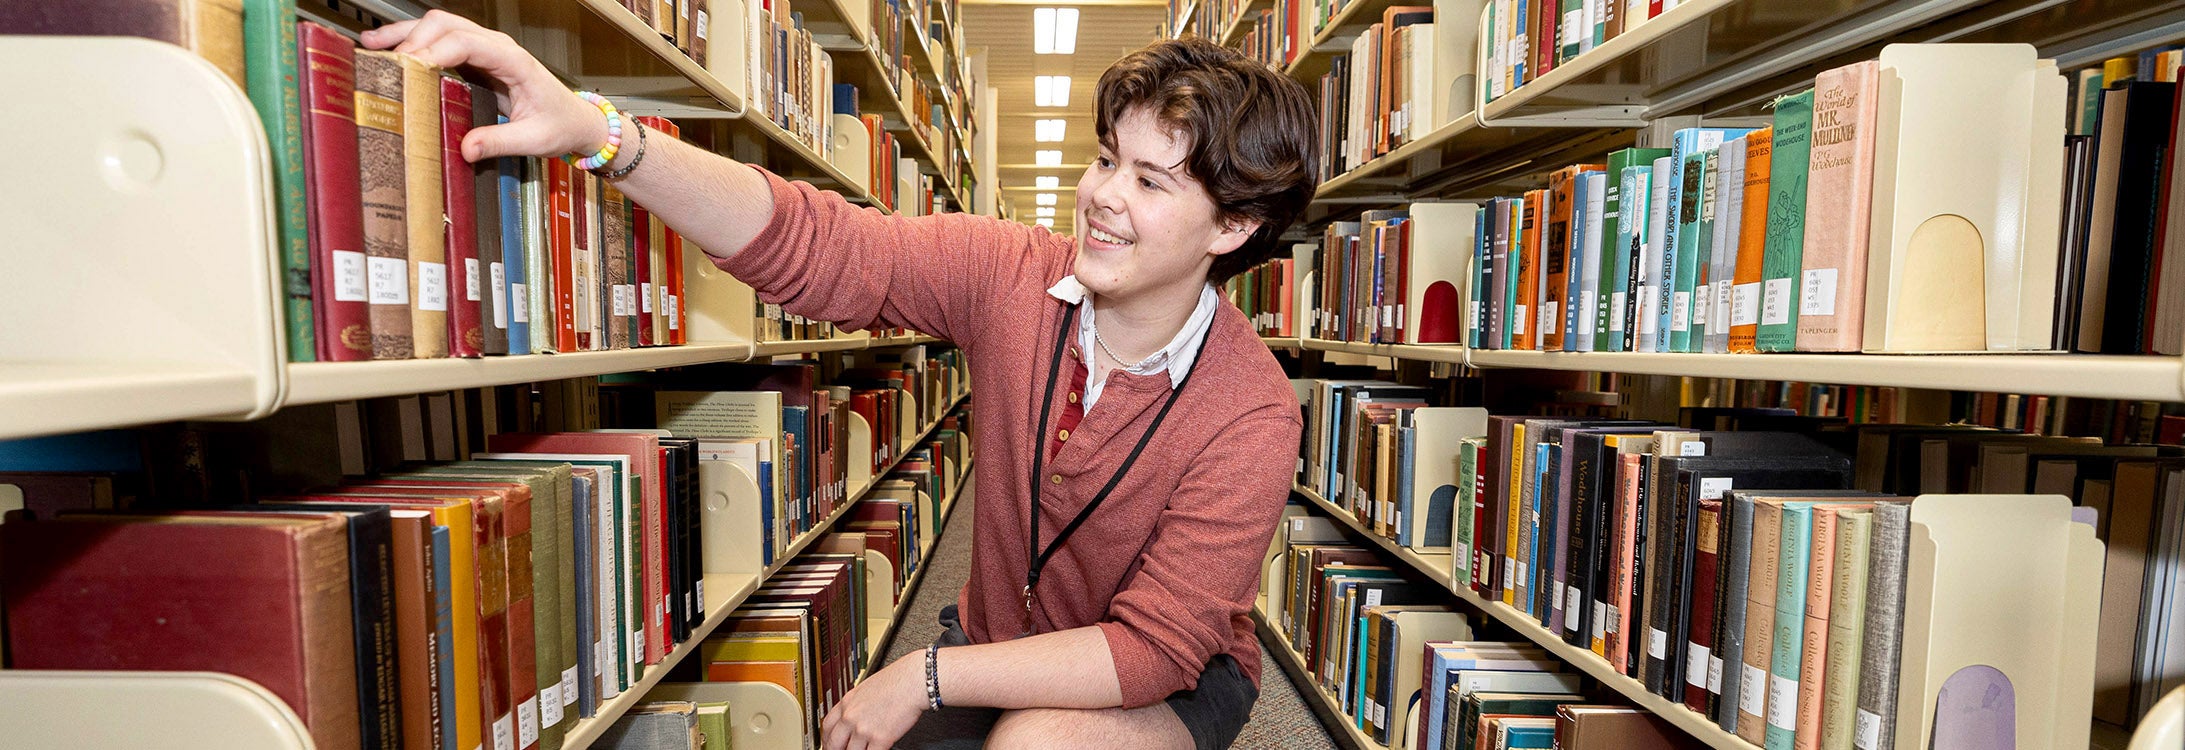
544,117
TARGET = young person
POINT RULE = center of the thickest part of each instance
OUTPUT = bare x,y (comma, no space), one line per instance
1133,425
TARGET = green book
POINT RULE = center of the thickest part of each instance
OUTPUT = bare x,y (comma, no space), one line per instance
269,61
1621,235
1846,627
1516,704
713,726
1696,267
1785,246
1697,194
1573,22
1467,504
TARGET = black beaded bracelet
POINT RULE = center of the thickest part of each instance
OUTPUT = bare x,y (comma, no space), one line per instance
634,161
933,676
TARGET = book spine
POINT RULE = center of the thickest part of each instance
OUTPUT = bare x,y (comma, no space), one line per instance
1846,623
414,633
491,276
1729,656
381,162
424,205
1765,560
536,215
1795,565
641,253
547,569
372,580
498,686
515,288
466,329
1555,257
1812,660
1881,643
520,577
1681,257
560,256
1700,636
1783,254
445,683
1839,200
334,216
271,69
1752,236
1648,310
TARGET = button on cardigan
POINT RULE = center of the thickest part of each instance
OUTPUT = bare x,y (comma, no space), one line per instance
1169,566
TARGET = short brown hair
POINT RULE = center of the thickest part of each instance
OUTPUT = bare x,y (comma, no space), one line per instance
1250,130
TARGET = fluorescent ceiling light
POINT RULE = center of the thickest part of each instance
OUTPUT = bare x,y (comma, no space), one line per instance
1047,131
1054,31
1047,158
1048,223
1044,199
1044,211
1051,91
1049,182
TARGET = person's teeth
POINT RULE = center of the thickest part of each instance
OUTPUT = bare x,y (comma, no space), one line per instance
1105,237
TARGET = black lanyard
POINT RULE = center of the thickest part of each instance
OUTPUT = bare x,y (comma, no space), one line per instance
1038,559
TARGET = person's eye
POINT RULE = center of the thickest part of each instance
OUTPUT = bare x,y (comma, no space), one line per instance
1105,163
1148,184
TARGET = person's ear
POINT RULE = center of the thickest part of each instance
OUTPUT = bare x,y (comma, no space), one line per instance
1232,236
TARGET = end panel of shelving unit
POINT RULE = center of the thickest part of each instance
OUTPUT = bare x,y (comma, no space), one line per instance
58,708
146,242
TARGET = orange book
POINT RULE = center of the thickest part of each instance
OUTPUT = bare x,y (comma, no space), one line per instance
1813,649
1525,318
1563,232
561,228
1751,241
1392,71
783,673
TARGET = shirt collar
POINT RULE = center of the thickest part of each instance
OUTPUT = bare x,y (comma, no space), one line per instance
1180,353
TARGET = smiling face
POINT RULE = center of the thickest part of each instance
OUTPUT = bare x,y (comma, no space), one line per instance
1148,227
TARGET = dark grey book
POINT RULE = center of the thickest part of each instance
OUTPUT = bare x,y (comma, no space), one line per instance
1882,641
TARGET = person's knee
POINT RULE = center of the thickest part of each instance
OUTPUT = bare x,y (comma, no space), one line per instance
1150,727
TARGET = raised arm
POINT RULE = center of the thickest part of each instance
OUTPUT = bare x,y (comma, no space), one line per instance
817,255
714,201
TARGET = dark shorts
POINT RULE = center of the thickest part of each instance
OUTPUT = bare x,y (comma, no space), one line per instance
1214,712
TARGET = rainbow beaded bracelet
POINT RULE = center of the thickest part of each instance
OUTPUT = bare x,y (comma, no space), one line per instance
606,153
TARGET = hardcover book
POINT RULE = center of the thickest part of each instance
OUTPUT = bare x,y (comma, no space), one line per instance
1839,201
382,165
1782,258
333,219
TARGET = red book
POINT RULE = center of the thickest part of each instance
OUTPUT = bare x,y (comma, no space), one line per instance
334,215
466,330
1708,555
641,252
523,644
558,256
265,598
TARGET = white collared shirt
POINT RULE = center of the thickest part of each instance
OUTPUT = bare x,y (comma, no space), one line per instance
1177,357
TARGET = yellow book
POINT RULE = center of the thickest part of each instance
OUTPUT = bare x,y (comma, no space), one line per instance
1512,514
2118,69
422,196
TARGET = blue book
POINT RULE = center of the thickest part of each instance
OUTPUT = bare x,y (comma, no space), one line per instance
766,508
1578,256
1794,564
582,527
100,451
1481,244
514,294
443,602
1530,597
1689,141
846,99
1406,469
1528,737
795,420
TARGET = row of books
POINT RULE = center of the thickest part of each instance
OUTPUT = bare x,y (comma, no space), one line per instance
789,430
413,252
1808,236
1597,526
608,514
1263,294
1528,38
1390,655
1372,286
442,605
1382,94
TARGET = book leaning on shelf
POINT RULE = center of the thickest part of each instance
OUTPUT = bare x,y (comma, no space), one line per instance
1405,671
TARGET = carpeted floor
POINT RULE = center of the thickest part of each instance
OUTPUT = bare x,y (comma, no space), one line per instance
1280,719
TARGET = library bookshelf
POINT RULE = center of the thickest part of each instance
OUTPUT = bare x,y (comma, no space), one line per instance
882,634
1701,62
